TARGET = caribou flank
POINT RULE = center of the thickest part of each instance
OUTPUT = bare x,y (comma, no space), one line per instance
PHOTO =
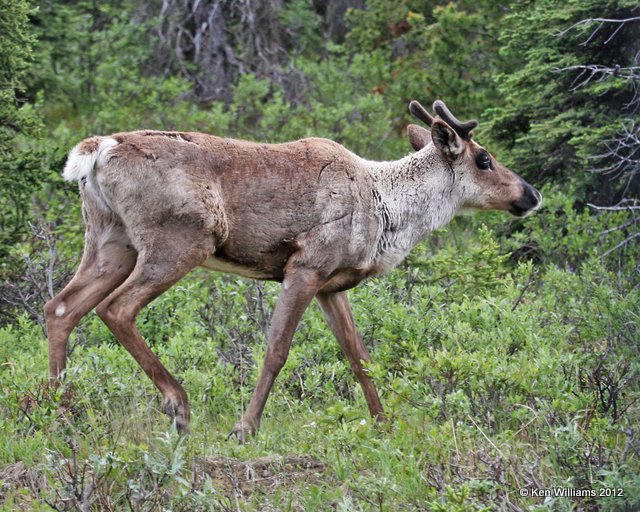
309,214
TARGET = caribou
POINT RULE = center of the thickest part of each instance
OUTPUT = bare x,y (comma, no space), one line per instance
309,214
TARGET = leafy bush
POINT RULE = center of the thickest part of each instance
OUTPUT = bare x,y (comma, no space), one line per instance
505,351
497,373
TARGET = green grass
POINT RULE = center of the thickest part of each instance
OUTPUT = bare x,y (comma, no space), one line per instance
498,374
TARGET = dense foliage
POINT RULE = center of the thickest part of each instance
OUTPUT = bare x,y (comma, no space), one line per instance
20,167
506,351
559,106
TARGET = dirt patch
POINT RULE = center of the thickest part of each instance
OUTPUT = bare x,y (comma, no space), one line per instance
22,483
239,478
236,480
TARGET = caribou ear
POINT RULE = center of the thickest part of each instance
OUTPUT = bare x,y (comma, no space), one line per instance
446,139
419,137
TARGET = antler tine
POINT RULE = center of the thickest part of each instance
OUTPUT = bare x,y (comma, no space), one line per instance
417,110
463,129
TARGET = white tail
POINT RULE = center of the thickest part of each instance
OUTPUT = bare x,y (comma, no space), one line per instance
81,163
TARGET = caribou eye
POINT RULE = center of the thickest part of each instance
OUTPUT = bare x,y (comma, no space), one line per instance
483,160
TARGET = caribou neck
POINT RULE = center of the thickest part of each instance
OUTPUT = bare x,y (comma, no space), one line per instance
414,196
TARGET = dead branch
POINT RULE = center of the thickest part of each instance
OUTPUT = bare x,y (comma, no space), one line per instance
602,22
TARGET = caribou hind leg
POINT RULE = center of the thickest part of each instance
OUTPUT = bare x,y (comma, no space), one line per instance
156,270
107,261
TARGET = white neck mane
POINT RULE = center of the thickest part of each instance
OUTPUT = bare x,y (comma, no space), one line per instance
414,196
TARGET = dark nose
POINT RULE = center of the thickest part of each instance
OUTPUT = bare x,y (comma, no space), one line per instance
530,200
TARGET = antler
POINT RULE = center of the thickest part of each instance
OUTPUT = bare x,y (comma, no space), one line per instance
420,112
463,129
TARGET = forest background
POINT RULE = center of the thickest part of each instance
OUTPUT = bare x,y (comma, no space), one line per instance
506,350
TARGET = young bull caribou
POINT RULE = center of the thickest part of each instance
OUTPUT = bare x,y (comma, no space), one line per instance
309,214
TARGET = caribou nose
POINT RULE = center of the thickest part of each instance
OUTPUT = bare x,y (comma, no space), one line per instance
538,196
530,200
535,194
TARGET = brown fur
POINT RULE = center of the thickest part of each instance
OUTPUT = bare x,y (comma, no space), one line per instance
89,145
308,213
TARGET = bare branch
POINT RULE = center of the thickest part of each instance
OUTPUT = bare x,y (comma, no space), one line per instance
41,274
622,244
613,209
211,43
621,155
599,73
601,23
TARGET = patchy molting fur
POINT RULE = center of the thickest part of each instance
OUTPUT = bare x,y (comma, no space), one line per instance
414,196
370,213
308,213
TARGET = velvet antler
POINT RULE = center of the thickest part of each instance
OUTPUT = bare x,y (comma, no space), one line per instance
463,129
418,111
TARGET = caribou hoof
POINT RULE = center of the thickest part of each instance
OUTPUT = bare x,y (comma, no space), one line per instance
381,419
178,411
242,432
383,423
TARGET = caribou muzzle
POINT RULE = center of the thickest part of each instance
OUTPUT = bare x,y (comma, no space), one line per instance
528,202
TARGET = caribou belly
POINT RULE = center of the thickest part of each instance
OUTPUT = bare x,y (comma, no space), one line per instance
231,267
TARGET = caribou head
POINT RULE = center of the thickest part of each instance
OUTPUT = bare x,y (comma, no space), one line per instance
488,184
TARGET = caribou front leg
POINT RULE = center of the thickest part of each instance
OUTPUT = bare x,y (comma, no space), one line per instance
298,289
337,313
